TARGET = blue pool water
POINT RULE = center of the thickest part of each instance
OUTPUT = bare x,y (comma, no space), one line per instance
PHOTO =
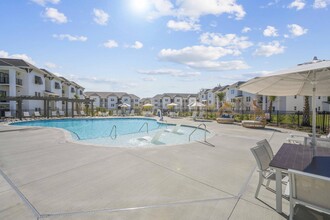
97,131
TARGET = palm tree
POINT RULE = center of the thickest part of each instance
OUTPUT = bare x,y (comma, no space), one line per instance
306,111
270,108
221,97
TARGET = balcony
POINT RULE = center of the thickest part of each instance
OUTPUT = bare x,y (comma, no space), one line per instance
19,82
4,80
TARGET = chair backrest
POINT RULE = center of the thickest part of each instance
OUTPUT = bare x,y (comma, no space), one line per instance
262,157
75,113
194,114
54,113
26,114
37,114
156,137
266,144
8,114
310,189
61,113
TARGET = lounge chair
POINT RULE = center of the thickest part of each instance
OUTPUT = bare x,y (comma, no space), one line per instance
194,115
148,114
175,130
54,113
120,113
154,139
132,113
75,113
322,141
37,114
105,114
82,113
309,190
26,115
114,113
261,155
8,114
201,115
61,113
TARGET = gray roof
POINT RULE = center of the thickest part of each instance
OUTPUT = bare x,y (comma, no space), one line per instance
106,94
236,84
17,63
173,95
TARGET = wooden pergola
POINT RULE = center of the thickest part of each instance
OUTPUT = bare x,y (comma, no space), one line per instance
47,99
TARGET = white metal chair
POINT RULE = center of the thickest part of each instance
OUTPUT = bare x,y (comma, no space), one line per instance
269,149
36,114
309,190
262,157
54,113
26,114
323,141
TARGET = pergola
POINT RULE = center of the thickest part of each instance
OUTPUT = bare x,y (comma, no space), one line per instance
20,99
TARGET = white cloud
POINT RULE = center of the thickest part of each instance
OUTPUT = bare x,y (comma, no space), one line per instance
149,79
137,45
170,72
269,49
298,4
70,37
321,4
44,2
296,30
229,40
270,31
55,16
246,29
101,17
51,65
195,8
5,54
110,44
203,58
183,25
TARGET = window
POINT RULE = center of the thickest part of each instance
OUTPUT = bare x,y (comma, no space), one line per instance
38,80
319,97
248,99
156,105
125,100
112,100
136,100
57,85
319,108
37,94
273,108
295,108
166,100
112,105
80,92
4,78
209,95
3,94
72,89
178,100
295,97
232,91
37,109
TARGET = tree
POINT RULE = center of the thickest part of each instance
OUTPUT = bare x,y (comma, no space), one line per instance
270,108
221,97
306,111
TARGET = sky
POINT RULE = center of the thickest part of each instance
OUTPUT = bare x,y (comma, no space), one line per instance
149,47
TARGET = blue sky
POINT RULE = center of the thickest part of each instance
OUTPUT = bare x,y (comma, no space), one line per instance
148,47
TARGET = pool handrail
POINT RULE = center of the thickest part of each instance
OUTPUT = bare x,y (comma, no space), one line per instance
112,129
198,128
145,123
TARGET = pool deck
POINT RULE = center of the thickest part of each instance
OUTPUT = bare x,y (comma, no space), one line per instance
44,176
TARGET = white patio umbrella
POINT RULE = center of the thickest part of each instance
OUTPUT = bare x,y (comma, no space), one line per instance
172,104
147,105
124,105
307,79
196,104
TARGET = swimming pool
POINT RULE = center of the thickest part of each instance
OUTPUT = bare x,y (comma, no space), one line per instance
122,132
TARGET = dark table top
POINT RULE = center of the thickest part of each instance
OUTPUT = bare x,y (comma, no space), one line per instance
299,157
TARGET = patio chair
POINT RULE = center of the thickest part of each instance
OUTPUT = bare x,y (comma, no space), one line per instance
75,113
194,115
154,139
54,113
8,114
61,113
132,113
175,130
322,141
37,114
261,155
309,190
26,115
120,113
114,113
82,113
266,145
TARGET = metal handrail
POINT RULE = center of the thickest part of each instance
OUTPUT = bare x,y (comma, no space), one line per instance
198,128
145,123
112,129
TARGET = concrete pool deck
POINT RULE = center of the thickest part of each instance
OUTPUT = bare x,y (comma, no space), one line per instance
44,176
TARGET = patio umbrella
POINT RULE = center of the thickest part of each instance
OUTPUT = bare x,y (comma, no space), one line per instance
147,105
307,79
172,104
124,105
196,104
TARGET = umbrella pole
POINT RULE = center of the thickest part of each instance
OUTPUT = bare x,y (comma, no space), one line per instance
314,120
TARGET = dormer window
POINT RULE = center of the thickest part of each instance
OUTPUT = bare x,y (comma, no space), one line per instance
72,90
57,85
38,80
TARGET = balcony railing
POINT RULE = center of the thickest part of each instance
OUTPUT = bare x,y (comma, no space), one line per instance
19,82
4,80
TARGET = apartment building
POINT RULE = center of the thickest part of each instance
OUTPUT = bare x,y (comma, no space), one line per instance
20,78
182,100
112,100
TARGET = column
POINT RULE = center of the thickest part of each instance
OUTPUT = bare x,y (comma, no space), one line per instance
264,106
12,89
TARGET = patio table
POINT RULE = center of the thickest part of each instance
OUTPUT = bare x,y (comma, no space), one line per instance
298,157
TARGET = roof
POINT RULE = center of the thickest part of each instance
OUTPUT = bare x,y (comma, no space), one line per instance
18,63
236,84
50,74
107,94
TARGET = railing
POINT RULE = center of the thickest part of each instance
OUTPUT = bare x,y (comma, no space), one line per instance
198,128
19,82
114,128
145,123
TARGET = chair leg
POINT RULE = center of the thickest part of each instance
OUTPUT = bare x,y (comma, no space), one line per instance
291,210
259,185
